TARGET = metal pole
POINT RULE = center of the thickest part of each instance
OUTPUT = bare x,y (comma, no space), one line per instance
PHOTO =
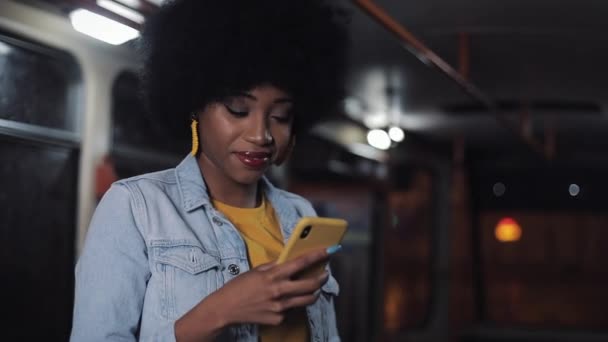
428,57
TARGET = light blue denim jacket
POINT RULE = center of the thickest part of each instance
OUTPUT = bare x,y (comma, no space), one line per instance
156,247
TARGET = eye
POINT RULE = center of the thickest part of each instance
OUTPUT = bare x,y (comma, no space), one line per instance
283,115
282,118
238,112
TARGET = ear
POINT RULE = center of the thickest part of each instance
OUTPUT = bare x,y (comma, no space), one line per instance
282,158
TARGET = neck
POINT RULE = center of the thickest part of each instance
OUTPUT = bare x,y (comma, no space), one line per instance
226,190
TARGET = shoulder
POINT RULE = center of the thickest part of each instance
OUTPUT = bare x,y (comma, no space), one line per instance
147,184
121,212
158,179
132,194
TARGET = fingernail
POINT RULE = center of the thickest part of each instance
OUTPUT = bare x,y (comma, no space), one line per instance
333,249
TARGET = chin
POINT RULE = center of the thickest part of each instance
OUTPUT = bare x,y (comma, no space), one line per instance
249,178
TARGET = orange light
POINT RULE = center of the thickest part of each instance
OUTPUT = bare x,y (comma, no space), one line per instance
508,230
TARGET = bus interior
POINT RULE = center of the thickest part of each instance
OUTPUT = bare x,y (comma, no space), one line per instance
469,158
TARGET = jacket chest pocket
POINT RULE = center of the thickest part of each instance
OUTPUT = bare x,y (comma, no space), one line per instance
188,275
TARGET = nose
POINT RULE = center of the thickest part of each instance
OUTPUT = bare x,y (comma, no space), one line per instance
258,130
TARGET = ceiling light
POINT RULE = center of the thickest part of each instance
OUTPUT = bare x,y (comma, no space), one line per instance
158,2
396,134
5,49
499,189
130,3
375,120
574,190
102,28
121,10
353,107
379,139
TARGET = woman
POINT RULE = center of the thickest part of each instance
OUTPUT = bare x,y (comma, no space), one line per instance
186,254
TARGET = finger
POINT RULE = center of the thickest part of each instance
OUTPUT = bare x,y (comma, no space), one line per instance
324,277
266,266
300,301
316,269
276,319
269,318
300,263
291,288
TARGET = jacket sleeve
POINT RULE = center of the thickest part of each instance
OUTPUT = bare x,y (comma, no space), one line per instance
111,274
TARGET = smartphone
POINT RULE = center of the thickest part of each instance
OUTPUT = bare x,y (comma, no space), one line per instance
312,233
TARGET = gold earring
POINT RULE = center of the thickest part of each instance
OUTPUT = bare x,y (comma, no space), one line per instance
194,128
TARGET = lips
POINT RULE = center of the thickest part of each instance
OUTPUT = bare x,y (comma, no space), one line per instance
254,160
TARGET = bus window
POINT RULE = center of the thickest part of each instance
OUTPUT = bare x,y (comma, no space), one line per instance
543,265
136,138
40,86
38,178
407,254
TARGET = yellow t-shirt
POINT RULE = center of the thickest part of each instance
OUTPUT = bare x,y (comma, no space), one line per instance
262,234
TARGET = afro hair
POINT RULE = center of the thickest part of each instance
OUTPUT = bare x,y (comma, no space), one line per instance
199,51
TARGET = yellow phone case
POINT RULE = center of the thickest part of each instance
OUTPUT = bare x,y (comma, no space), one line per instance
321,232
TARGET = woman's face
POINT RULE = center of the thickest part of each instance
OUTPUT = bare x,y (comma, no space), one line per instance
242,136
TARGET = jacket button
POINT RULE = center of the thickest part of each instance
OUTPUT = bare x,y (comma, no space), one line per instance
217,221
234,269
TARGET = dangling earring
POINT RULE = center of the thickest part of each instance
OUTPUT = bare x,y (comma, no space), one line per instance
194,129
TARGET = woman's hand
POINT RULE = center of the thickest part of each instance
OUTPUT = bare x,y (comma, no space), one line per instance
260,296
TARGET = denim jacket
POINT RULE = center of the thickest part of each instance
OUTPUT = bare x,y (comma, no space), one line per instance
156,247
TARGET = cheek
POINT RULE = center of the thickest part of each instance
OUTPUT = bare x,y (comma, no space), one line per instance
203,137
281,136
215,131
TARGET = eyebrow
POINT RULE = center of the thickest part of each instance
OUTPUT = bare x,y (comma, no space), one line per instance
279,100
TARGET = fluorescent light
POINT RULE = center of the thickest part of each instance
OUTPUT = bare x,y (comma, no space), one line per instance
379,139
121,10
4,49
353,106
130,3
375,120
158,2
102,28
396,134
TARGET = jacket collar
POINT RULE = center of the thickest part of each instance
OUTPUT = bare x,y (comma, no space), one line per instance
192,187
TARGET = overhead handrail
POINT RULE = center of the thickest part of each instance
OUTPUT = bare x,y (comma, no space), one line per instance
429,57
